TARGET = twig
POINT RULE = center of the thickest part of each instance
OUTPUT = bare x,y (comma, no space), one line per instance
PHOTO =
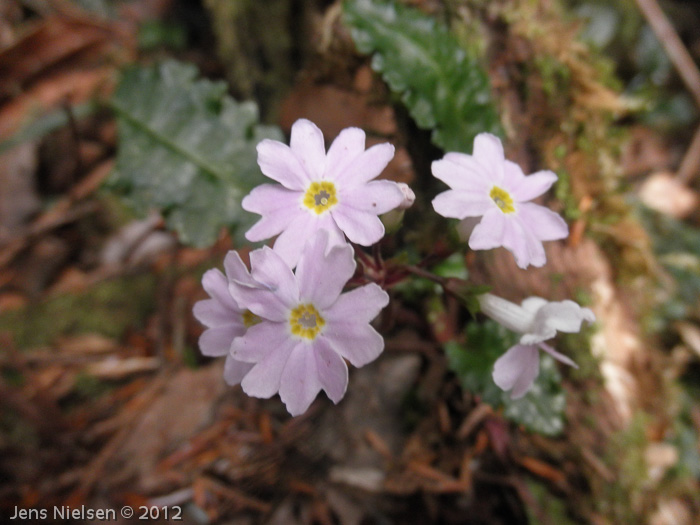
688,71
677,52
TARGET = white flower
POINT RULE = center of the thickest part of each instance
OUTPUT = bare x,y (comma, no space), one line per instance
537,320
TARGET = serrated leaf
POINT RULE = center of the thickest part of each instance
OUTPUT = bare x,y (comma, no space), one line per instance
443,87
187,149
540,410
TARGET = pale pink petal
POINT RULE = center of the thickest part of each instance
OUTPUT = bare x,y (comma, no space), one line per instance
358,343
217,341
322,276
489,232
292,240
461,172
512,177
332,370
533,304
276,204
235,371
307,144
360,227
564,316
346,147
236,269
521,242
556,355
533,185
259,341
300,384
517,369
263,380
367,166
211,312
379,196
216,285
259,300
268,268
361,304
488,152
277,162
458,204
543,222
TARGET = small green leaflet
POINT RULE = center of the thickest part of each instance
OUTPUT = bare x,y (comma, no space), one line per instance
540,410
444,88
186,149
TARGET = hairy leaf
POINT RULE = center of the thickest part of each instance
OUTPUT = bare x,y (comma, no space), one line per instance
187,149
443,87
540,410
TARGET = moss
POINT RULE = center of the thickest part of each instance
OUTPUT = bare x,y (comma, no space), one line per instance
108,308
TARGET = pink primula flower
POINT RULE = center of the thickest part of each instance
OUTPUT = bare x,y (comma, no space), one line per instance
307,326
222,316
318,191
487,185
537,320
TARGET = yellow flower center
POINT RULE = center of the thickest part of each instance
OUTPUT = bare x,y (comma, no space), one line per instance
306,322
502,199
250,319
320,196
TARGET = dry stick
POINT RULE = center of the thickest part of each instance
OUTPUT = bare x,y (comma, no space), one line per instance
687,69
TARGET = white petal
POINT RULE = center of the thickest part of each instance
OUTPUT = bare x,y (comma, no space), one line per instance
235,371
360,227
457,204
292,240
278,207
517,369
377,197
533,185
543,222
488,152
307,144
461,172
347,146
322,273
366,166
506,313
519,239
277,161
489,233
300,384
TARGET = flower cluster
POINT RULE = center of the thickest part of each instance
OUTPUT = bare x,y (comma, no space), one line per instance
287,327
290,331
489,186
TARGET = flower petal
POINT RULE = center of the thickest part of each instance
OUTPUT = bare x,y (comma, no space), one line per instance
276,204
461,172
268,268
217,341
358,343
347,146
322,276
263,380
360,227
361,304
261,301
556,355
300,384
379,196
259,341
534,185
366,166
278,162
543,222
211,312
237,270
292,240
332,370
522,243
235,371
458,204
564,316
489,232
216,285
512,177
488,151
307,144
517,369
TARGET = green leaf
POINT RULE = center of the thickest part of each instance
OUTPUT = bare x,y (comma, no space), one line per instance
187,149
443,87
540,410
